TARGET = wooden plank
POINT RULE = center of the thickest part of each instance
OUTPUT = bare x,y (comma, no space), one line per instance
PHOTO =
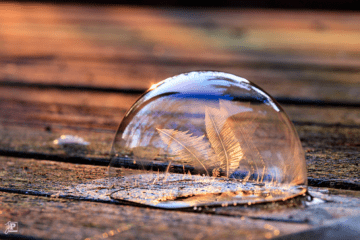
42,212
52,218
35,118
135,47
67,70
87,109
302,83
319,31
332,158
347,228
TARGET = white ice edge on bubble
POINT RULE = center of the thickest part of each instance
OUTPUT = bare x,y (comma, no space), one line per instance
270,101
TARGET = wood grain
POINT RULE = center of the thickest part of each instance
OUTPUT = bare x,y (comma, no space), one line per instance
311,55
75,69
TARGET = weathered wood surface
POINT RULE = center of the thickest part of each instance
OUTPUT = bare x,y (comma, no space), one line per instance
77,69
330,136
45,213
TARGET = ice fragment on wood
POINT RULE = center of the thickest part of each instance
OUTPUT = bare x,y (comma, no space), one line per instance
70,140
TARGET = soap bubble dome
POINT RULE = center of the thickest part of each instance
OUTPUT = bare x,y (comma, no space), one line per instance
206,139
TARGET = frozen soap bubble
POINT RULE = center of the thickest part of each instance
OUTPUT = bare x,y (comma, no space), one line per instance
204,139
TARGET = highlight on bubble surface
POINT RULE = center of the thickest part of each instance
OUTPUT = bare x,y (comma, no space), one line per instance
206,138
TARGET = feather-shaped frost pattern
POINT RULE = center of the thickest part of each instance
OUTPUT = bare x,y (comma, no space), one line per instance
222,139
190,148
251,154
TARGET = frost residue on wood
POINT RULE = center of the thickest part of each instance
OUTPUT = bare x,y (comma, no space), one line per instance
70,140
183,191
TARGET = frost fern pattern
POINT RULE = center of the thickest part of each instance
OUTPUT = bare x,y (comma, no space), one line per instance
222,152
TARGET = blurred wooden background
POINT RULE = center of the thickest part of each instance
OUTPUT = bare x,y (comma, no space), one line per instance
76,69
